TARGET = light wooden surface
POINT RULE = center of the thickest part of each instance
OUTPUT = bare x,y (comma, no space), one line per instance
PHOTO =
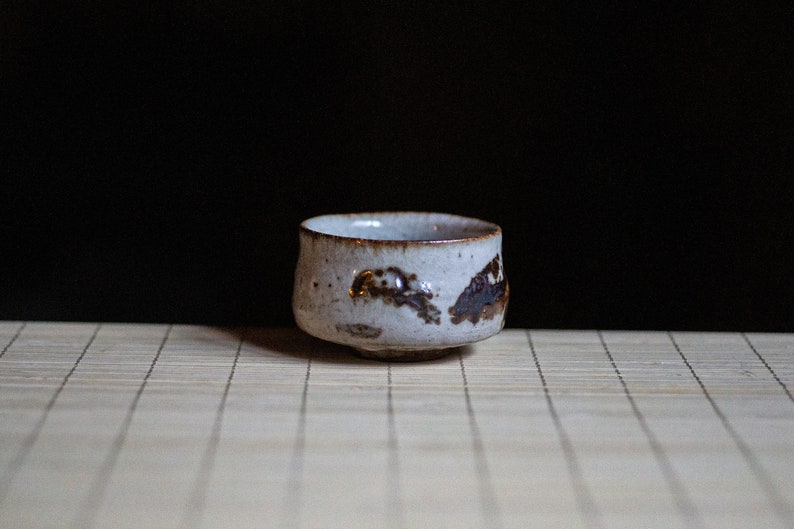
121,425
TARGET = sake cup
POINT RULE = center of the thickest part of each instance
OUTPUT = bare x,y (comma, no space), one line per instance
400,285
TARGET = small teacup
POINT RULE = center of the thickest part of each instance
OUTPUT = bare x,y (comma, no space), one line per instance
400,285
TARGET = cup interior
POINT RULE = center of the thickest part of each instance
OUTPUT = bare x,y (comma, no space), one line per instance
401,226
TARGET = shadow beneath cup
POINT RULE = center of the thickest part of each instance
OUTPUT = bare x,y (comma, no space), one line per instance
297,344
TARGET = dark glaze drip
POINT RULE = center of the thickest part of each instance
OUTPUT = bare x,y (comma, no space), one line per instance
359,329
482,299
394,286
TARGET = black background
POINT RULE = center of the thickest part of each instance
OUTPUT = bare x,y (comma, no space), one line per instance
156,162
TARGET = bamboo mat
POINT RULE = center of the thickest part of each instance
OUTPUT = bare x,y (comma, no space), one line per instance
128,425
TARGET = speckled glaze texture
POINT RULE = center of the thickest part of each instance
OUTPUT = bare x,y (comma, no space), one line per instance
400,285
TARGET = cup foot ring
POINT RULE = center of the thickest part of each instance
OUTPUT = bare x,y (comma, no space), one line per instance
402,355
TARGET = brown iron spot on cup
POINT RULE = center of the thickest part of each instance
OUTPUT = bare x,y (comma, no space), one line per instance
360,330
394,286
482,298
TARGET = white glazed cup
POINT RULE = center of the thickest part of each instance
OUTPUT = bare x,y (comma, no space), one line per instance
400,285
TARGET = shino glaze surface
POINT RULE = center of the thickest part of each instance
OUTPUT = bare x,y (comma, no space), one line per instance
400,285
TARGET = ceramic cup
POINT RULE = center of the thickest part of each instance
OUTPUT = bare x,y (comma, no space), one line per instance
400,285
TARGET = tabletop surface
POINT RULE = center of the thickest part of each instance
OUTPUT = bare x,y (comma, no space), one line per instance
133,425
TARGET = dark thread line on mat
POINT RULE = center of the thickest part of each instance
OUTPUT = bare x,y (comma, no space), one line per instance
89,507
395,499
292,503
681,498
776,500
27,445
13,339
768,367
488,503
195,506
587,507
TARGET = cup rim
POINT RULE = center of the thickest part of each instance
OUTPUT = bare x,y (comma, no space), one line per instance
490,229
